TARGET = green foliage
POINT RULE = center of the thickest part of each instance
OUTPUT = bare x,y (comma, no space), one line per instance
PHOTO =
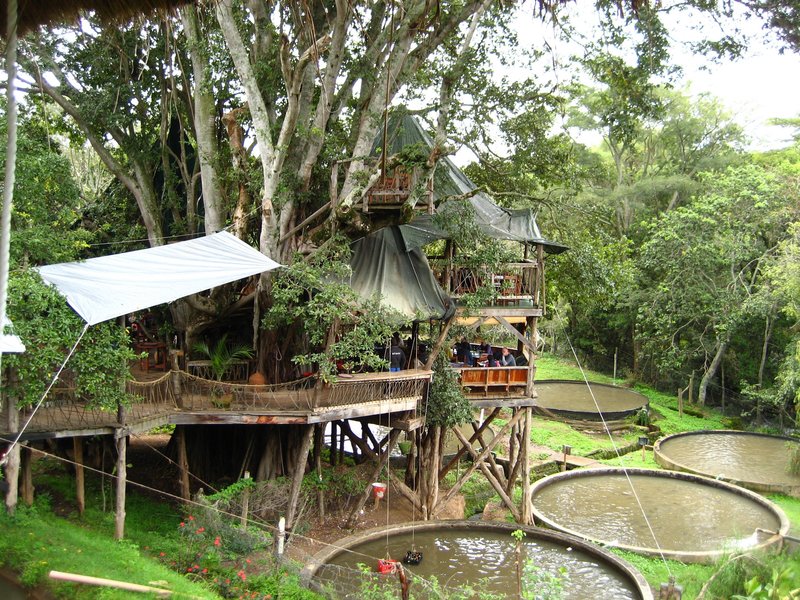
793,464
36,541
315,297
47,204
223,355
49,329
446,405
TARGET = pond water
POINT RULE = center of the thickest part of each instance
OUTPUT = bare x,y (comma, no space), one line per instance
685,515
740,457
576,397
464,557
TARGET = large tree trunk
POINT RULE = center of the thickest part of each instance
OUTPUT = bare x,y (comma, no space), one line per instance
204,115
711,371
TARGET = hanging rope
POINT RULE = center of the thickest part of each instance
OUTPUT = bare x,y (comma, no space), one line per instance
4,459
616,451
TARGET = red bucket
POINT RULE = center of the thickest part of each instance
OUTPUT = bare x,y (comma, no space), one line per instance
378,490
387,566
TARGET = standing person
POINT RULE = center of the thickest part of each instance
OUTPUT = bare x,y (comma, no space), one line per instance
507,359
397,358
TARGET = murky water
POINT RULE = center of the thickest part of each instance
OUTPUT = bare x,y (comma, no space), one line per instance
740,457
684,515
460,557
11,591
576,397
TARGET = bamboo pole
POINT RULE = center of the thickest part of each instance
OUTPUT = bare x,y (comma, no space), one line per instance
112,583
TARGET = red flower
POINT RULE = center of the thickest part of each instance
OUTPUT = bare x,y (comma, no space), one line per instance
191,518
241,575
183,524
161,554
204,571
201,530
248,561
217,541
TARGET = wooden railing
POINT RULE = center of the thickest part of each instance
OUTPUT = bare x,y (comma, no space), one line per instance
488,380
513,283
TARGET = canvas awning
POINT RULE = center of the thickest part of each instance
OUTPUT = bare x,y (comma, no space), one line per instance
402,279
109,286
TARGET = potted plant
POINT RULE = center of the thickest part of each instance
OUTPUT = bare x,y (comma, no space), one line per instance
222,356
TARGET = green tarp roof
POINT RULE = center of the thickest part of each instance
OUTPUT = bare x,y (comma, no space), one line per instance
390,263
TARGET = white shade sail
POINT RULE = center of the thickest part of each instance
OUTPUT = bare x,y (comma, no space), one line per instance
109,286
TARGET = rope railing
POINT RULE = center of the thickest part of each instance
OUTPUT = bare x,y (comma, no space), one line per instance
198,393
65,410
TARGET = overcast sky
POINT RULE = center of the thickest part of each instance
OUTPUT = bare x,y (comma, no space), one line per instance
761,85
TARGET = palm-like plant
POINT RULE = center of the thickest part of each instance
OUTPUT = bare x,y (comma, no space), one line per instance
222,355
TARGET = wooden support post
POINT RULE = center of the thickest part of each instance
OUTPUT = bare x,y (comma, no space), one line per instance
80,488
26,460
437,346
680,403
477,460
245,502
462,451
297,478
122,474
318,436
183,463
12,458
280,537
175,378
384,458
490,477
526,513
332,452
691,388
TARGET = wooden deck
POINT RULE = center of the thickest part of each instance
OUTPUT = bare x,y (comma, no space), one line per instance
180,398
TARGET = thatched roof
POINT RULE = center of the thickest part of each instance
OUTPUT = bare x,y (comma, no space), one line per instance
33,13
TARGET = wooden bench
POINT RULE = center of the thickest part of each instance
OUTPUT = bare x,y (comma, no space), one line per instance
494,378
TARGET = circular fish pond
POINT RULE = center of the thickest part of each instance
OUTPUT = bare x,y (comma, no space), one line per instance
693,518
574,400
753,460
477,554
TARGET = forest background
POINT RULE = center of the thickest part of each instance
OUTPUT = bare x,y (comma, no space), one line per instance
683,263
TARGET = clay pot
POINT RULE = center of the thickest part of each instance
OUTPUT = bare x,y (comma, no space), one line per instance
257,378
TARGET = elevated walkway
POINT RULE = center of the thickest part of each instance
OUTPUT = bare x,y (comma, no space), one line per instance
180,398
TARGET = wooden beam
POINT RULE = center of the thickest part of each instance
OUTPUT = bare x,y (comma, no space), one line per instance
516,334
527,502
437,346
491,476
462,451
183,463
475,465
299,471
80,489
406,491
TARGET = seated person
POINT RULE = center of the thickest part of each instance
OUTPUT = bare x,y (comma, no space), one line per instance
506,359
463,354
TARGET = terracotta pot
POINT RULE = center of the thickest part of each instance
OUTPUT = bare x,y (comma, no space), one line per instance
257,378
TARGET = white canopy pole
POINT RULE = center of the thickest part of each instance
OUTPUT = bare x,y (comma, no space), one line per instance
11,156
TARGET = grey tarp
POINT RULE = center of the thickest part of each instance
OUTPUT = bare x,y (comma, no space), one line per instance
449,181
402,279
